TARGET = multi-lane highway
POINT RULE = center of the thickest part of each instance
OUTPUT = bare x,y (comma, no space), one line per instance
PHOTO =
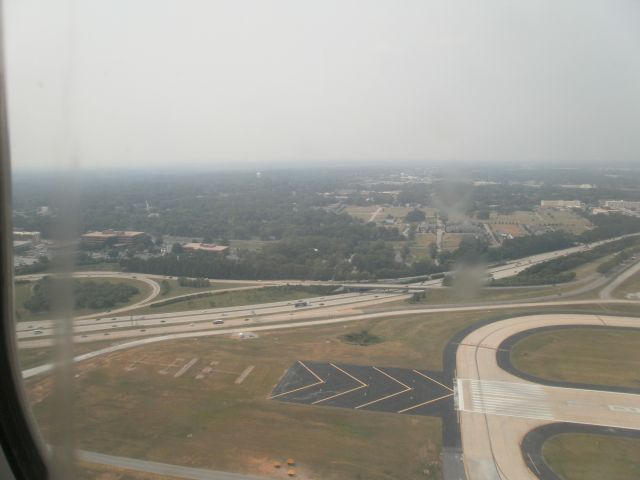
247,315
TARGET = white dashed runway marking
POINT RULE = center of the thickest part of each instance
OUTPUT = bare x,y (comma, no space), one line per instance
505,398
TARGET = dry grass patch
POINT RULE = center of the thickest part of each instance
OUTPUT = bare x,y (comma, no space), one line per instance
127,406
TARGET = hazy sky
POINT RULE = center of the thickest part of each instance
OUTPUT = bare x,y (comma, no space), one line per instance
140,83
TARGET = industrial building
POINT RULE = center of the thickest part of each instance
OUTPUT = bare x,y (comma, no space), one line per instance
561,204
622,205
21,236
115,237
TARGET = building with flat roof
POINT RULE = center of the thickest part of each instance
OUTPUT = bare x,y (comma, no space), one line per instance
622,204
20,235
115,236
205,247
561,204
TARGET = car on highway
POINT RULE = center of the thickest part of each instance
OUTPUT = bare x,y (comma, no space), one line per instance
37,332
300,303
218,322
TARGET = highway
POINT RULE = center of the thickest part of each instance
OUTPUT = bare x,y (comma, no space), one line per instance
248,315
296,323
36,334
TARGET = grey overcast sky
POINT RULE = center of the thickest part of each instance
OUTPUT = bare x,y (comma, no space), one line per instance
169,83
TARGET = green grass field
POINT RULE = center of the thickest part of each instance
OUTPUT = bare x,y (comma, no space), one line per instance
241,297
22,291
596,356
576,456
32,357
176,290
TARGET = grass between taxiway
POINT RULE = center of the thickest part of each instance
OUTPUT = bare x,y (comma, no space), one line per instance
607,357
577,456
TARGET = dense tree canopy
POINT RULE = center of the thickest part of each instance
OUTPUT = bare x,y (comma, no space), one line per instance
86,294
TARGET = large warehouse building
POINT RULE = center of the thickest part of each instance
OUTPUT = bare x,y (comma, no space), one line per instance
115,236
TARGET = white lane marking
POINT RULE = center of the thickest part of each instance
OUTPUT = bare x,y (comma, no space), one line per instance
625,409
301,388
433,380
362,385
406,389
245,373
507,399
460,394
433,400
186,367
534,464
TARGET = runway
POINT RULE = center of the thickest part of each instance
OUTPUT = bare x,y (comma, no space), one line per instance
497,409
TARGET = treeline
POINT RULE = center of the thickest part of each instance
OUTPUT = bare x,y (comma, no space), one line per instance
43,264
355,257
219,205
558,270
86,294
352,255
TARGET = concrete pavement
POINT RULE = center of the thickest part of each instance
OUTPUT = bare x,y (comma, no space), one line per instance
497,409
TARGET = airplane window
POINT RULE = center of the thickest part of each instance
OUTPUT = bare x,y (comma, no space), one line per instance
320,240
